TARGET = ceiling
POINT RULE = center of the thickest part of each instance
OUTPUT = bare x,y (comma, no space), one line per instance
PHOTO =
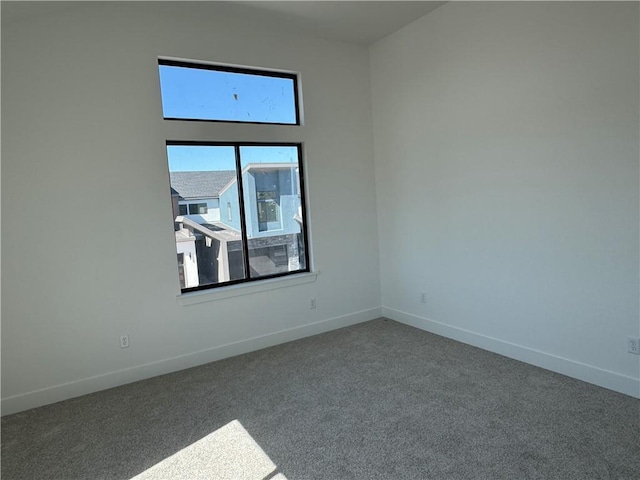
350,21
362,21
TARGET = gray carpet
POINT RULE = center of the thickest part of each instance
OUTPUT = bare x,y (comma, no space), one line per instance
376,400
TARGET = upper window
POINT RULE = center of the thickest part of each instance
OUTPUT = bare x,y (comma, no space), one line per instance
192,91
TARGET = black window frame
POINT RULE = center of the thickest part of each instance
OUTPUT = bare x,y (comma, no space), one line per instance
245,244
242,70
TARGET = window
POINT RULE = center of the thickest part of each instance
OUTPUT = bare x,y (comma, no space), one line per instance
267,211
263,234
198,209
181,269
192,91
245,200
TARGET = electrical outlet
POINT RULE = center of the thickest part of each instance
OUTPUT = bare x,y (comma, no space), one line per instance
124,341
423,297
633,345
312,303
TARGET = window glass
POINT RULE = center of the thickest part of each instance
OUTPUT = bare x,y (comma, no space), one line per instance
263,222
214,246
238,208
273,209
205,92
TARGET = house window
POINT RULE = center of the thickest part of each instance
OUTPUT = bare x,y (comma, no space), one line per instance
181,269
196,91
198,209
263,233
268,211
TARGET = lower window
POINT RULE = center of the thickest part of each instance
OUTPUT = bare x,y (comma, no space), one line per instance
261,233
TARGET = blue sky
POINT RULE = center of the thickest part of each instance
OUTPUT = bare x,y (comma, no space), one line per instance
188,158
215,95
200,158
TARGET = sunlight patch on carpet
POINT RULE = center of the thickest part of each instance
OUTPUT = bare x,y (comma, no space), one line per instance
228,453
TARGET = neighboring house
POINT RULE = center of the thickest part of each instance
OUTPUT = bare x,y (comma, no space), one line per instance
208,225
187,259
194,197
197,194
273,216
271,200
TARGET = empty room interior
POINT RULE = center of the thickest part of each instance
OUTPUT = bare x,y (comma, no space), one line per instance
429,269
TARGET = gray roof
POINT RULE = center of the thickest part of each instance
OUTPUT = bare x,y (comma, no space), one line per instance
200,184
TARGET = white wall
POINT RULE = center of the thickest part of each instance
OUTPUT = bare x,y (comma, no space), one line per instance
81,118
506,148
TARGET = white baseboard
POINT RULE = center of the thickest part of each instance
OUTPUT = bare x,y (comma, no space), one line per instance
45,396
581,371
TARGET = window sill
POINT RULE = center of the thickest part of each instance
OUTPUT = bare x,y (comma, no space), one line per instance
192,298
